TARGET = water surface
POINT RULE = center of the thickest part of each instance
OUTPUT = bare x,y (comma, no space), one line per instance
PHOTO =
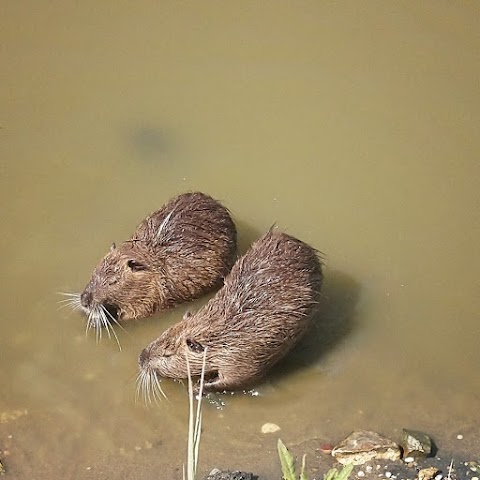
352,126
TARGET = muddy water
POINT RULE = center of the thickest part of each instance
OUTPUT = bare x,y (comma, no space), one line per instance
352,126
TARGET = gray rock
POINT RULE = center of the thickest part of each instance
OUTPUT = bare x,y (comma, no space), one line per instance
364,445
427,473
217,474
416,444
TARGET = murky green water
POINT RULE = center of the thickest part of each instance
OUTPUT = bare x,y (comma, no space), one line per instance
354,126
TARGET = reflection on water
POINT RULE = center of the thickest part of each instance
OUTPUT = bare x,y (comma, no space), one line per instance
353,128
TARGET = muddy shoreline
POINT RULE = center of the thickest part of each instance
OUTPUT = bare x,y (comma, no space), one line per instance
444,466
444,463
370,456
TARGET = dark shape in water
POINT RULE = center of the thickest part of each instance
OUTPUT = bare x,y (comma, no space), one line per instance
151,142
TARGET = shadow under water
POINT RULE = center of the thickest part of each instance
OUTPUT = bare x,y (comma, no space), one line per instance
334,321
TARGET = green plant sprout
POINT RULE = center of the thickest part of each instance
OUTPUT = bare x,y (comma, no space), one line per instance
288,467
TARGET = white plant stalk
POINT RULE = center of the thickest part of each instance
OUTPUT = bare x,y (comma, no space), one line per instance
194,422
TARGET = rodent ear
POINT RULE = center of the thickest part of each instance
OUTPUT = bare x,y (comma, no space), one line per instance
195,346
113,247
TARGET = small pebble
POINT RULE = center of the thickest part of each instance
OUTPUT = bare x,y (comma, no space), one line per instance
360,473
408,459
474,478
427,473
388,474
439,477
368,468
137,448
270,428
459,437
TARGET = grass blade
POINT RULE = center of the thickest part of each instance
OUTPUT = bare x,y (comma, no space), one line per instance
286,460
303,476
343,474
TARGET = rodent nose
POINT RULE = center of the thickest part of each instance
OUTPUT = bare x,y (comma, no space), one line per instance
143,358
86,298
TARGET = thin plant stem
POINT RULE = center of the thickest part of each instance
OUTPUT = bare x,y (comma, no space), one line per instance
194,421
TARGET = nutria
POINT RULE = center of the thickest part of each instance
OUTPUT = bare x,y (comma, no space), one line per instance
265,305
176,254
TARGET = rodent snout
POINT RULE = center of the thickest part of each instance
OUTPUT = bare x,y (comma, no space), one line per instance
143,358
86,298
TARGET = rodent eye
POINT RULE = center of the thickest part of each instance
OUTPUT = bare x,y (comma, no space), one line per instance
195,346
136,266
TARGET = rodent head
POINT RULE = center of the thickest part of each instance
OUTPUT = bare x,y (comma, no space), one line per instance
166,356
126,284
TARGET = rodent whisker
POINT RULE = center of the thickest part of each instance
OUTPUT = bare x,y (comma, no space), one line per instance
158,387
72,301
147,399
94,321
138,386
98,320
104,312
98,327
87,326
149,387
74,304
89,323
113,319
143,387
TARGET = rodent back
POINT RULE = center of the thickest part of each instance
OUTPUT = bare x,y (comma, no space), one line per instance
267,300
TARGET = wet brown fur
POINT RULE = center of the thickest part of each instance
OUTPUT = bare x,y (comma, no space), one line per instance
176,254
266,304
